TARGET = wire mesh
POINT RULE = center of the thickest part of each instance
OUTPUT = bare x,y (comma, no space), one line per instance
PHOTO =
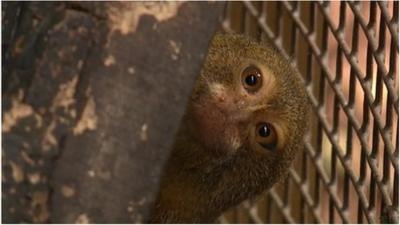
347,54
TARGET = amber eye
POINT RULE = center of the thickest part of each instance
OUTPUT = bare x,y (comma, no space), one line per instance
266,135
251,79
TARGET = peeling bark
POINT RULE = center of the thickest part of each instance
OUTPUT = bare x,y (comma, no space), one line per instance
93,93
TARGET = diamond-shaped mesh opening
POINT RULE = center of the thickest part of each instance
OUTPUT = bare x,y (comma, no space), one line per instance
347,54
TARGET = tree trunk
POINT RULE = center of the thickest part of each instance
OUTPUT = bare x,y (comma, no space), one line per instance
92,96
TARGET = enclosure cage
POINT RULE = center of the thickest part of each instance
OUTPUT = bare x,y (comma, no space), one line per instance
347,54
71,77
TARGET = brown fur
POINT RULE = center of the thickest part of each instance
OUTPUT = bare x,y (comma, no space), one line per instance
202,180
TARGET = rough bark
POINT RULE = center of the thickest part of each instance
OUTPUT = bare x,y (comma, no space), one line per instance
92,95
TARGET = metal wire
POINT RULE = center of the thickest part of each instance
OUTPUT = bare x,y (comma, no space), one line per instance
347,53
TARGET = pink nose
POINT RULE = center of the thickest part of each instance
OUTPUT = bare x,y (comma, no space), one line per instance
221,98
239,103
229,104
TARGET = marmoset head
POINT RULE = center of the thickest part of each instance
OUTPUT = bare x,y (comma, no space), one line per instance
248,99
244,123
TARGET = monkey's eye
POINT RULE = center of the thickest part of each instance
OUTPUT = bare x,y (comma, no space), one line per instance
266,135
251,79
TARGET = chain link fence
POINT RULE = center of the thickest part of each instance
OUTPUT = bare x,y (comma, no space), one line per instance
347,53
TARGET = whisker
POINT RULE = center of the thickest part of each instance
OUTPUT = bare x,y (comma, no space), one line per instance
256,107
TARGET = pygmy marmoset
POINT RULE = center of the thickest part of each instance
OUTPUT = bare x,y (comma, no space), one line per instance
243,125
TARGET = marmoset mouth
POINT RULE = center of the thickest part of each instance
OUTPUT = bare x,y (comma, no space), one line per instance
217,127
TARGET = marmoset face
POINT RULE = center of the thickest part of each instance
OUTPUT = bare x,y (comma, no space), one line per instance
247,99
244,123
